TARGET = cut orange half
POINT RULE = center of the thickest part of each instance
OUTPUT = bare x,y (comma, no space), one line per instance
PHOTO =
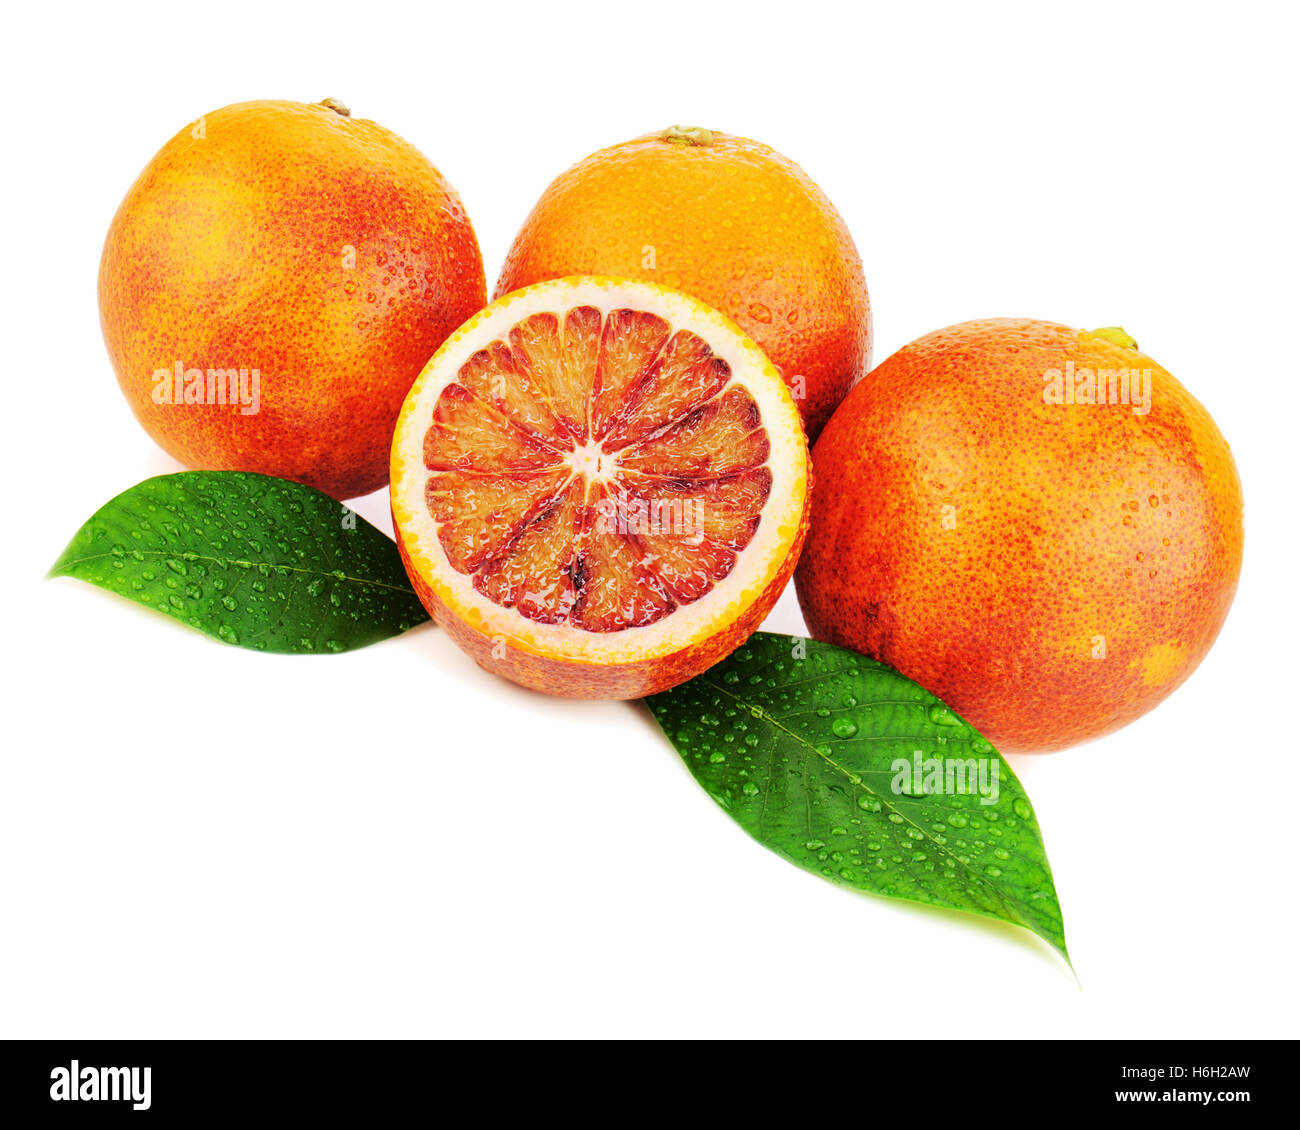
600,487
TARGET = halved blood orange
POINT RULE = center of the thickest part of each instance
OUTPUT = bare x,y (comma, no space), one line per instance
600,487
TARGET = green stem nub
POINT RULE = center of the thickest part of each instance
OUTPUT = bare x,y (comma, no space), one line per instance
1116,335
687,135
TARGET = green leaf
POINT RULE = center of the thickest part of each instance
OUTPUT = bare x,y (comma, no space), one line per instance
814,751
253,560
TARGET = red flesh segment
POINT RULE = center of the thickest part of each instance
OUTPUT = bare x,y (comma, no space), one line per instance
615,589
692,531
534,574
582,351
539,353
720,438
687,375
480,514
629,346
727,509
687,567
492,376
468,434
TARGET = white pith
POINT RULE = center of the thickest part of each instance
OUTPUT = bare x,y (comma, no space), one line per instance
588,459
757,565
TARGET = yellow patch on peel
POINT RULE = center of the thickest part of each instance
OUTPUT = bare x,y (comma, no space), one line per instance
1162,663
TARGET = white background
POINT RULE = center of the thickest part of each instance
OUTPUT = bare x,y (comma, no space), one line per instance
200,841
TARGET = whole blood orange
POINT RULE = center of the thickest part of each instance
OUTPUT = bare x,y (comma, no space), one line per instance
600,487
273,283
728,220
1039,525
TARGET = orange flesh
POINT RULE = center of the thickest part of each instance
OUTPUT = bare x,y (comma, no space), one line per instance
595,472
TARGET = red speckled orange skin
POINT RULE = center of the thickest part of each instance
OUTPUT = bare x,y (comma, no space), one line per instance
731,222
231,250
622,681
1088,559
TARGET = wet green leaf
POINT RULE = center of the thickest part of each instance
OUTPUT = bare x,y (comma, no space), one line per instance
255,561
859,775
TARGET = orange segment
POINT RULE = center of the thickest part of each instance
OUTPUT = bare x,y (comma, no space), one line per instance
691,531
616,590
724,436
539,353
723,510
687,563
479,514
470,435
534,574
582,326
687,375
630,345
493,376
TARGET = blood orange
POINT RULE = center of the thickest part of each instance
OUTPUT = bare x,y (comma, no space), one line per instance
728,220
272,284
1051,566
600,487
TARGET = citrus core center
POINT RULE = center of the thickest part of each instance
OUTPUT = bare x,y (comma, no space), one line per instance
589,460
